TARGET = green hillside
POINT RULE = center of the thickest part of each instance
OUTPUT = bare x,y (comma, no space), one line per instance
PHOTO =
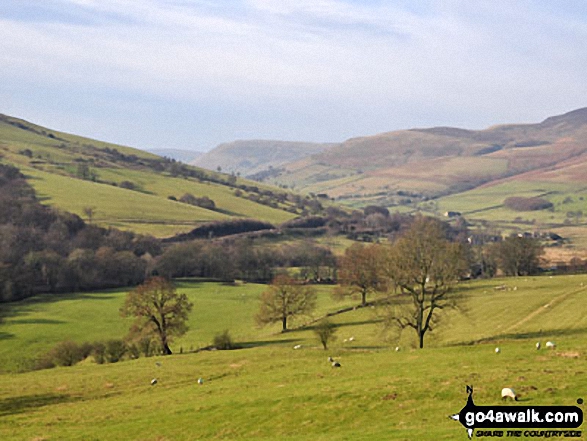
271,391
126,187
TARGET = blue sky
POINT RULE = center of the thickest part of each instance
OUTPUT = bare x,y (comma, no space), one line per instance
192,74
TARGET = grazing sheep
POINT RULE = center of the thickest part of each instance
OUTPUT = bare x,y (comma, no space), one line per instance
397,349
497,350
333,362
153,382
550,345
507,392
200,381
297,346
352,339
538,346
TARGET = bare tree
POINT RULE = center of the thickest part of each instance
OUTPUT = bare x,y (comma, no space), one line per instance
518,256
424,267
285,298
90,212
159,311
358,272
325,331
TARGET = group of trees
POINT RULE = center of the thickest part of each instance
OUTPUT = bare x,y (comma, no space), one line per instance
42,250
242,259
418,271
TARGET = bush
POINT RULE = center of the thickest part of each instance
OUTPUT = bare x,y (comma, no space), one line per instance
224,341
133,351
99,352
325,331
66,353
115,350
128,185
148,347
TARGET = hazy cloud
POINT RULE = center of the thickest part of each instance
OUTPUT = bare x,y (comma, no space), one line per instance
296,69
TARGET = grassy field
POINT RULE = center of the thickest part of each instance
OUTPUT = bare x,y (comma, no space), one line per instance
271,391
50,160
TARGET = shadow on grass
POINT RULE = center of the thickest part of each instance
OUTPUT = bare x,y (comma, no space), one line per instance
261,343
312,326
551,333
25,306
39,321
6,335
16,405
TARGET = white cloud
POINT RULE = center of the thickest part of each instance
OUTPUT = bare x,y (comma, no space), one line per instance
388,63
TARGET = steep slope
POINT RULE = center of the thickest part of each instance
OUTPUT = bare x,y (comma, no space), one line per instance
256,156
129,188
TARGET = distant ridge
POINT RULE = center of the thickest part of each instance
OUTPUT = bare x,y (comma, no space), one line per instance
253,156
423,162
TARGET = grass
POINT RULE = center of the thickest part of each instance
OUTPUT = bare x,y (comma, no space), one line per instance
271,391
116,206
50,158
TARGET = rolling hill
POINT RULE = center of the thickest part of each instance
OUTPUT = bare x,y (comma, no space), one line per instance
425,163
129,188
256,156
471,172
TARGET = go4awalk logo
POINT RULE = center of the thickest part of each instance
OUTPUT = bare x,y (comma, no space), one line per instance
534,421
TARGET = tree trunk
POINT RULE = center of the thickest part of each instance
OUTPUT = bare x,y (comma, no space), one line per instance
165,345
364,298
421,340
284,324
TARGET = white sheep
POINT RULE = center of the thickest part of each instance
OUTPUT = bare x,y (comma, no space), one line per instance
497,350
335,364
538,346
550,345
297,346
508,392
200,381
153,382
352,339
397,349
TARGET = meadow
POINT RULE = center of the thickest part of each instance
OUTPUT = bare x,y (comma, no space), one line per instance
50,162
268,390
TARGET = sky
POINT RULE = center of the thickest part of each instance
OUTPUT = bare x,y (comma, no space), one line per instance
192,74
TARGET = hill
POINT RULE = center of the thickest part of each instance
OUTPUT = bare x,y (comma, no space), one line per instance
437,161
425,163
268,390
128,188
256,156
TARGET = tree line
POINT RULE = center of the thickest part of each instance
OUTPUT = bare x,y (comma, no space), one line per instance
43,250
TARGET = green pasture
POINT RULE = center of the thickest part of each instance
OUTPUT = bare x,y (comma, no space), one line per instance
223,196
269,390
114,206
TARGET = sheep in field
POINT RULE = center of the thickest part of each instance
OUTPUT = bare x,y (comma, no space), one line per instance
507,392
